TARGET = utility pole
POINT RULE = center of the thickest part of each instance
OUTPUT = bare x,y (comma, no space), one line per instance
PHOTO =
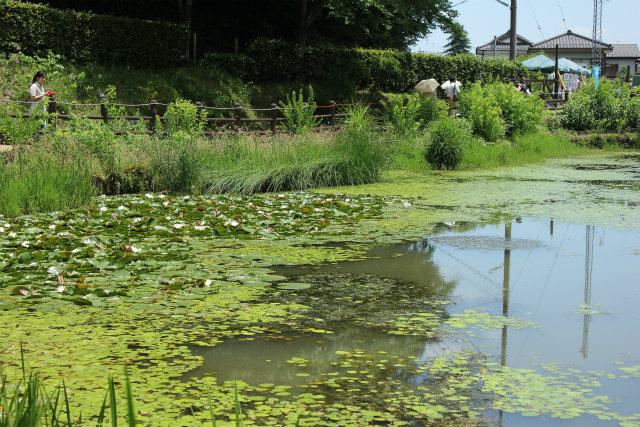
513,41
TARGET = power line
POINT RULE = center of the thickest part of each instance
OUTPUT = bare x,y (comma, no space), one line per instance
536,19
563,20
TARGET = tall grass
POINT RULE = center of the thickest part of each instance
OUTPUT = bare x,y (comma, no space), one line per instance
43,187
286,162
525,149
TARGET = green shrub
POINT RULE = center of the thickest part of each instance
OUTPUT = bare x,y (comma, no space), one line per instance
407,114
496,109
483,112
299,112
86,37
607,107
183,117
447,143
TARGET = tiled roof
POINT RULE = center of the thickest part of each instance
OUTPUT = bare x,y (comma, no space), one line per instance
624,51
569,40
521,42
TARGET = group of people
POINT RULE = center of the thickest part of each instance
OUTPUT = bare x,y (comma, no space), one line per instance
521,85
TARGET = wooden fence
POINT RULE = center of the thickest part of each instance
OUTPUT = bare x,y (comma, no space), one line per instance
274,115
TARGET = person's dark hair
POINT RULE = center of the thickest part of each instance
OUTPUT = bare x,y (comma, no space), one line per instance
38,75
452,79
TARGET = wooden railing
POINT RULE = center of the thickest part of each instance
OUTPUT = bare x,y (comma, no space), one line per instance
236,120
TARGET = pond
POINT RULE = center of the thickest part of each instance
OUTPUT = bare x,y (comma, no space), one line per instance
577,284
480,298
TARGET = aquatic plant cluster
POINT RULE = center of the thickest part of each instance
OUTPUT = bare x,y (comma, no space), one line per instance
139,280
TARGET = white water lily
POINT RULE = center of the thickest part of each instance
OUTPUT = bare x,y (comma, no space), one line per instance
232,223
1,230
134,249
122,208
179,225
208,282
53,271
25,244
76,250
12,234
149,196
168,218
138,219
61,288
166,203
7,225
103,208
200,227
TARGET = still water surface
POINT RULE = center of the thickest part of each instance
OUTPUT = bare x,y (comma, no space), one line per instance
580,284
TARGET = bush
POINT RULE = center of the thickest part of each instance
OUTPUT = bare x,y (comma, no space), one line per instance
407,114
183,116
496,109
448,141
86,37
608,107
299,112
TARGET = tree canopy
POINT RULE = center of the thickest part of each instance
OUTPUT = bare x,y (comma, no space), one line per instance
458,41
364,23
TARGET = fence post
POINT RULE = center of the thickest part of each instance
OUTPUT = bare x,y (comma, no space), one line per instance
103,110
238,113
332,111
274,117
153,112
200,109
53,109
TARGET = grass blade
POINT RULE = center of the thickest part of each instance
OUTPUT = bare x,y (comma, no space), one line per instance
130,410
112,401
213,416
66,401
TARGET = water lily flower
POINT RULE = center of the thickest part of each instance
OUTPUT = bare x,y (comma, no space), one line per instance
134,249
208,282
1,230
24,292
149,196
25,244
121,208
200,227
12,234
7,225
53,270
52,227
103,208
61,288
166,203
232,223
179,225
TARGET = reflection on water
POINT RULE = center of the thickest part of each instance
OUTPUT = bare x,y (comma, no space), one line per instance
579,283
270,359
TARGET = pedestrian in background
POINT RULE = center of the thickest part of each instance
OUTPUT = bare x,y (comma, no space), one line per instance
37,92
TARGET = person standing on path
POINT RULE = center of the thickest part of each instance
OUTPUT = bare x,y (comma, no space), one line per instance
36,93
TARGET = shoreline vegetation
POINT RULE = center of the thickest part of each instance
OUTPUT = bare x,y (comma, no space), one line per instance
496,126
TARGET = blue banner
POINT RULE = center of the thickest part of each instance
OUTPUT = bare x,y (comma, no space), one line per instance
596,75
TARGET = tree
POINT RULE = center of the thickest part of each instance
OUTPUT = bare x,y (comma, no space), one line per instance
458,41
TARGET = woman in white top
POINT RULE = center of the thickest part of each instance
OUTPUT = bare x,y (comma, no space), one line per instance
36,93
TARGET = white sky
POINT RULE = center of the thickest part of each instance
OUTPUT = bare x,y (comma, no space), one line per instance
483,19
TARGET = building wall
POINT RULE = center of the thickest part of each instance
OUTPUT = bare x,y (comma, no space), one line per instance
499,53
623,62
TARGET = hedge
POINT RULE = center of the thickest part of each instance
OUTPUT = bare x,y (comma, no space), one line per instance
35,29
385,70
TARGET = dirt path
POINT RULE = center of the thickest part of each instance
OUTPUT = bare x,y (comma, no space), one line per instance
4,148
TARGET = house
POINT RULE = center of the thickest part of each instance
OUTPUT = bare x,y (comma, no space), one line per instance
502,45
572,46
621,57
